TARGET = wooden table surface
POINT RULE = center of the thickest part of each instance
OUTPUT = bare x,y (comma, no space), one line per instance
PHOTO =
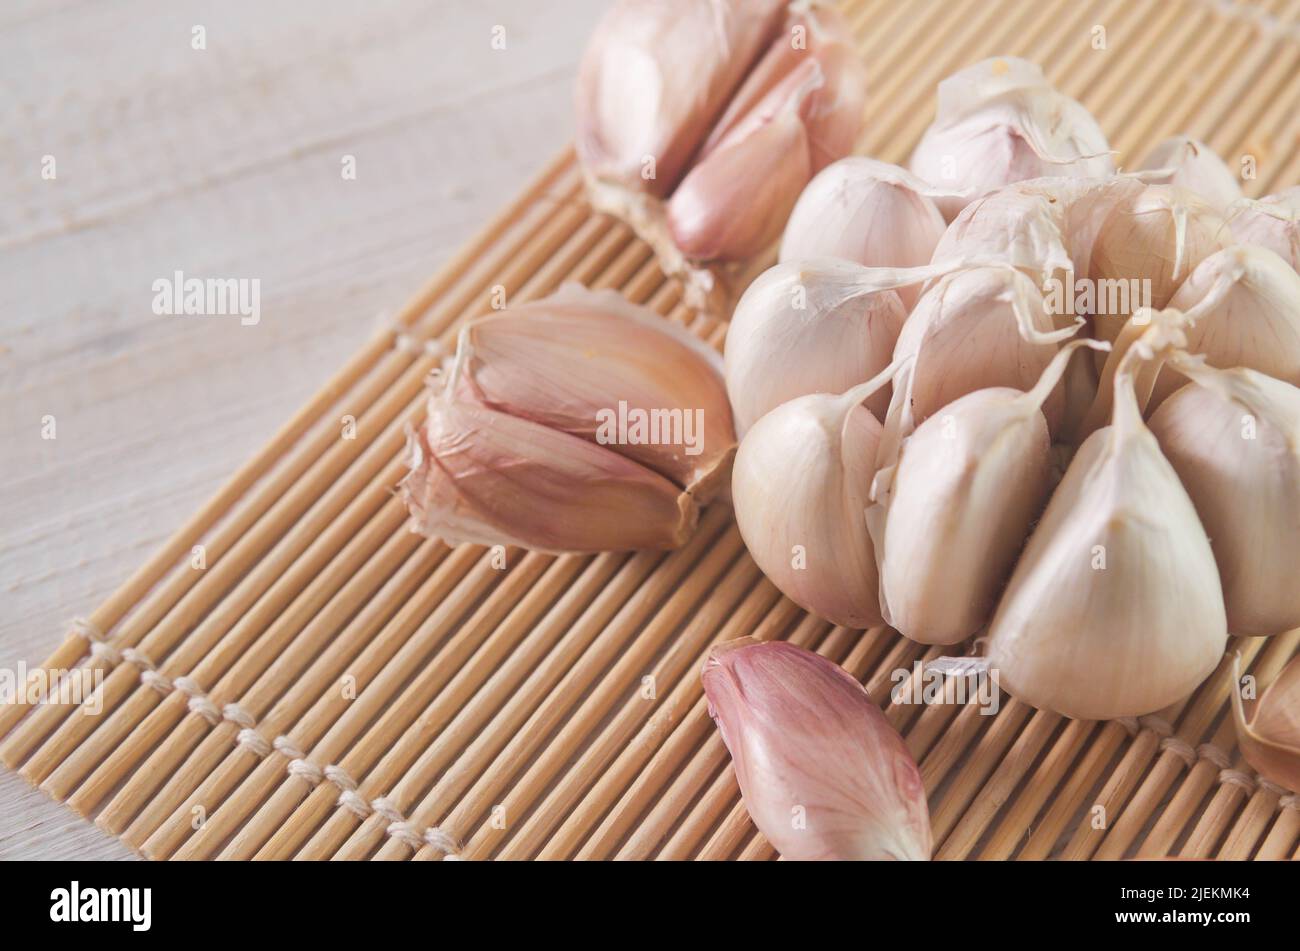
225,161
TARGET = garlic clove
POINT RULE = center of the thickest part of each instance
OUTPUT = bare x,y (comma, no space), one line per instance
593,365
654,78
811,327
1115,607
1272,222
999,121
800,109
1268,730
823,774
1046,227
733,203
1233,437
865,211
958,505
1244,306
1193,165
488,478
1152,241
799,487
978,328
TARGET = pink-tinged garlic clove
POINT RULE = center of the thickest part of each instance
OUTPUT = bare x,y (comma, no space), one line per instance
1268,729
823,774
487,478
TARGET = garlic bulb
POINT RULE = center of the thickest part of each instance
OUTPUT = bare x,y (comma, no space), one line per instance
654,78
1233,437
799,487
1194,166
823,774
1272,222
1152,242
583,362
799,109
952,515
1268,730
1000,121
976,328
811,327
487,478
576,423
1115,607
866,211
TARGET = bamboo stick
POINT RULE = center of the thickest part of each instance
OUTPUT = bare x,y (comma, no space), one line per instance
474,781
650,760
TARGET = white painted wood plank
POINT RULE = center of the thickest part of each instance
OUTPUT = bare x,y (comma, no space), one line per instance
220,163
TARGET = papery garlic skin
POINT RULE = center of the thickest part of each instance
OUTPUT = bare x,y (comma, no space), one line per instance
1157,238
808,327
569,361
1272,222
1115,607
1268,729
487,478
1244,303
799,486
865,211
999,121
1195,167
823,774
978,328
1233,437
800,109
655,77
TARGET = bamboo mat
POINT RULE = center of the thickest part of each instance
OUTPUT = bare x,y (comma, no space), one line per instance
329,685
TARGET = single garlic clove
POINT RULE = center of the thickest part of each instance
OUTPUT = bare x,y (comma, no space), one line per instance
800,109
732,205
865,211
1151,242
593,365
655,77
1194,165
978,328
488,478
1046,227
964,490
999,121
1233,437
1115,607
823,774
1268,730
1272,222
799,487
810,327
1244,304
